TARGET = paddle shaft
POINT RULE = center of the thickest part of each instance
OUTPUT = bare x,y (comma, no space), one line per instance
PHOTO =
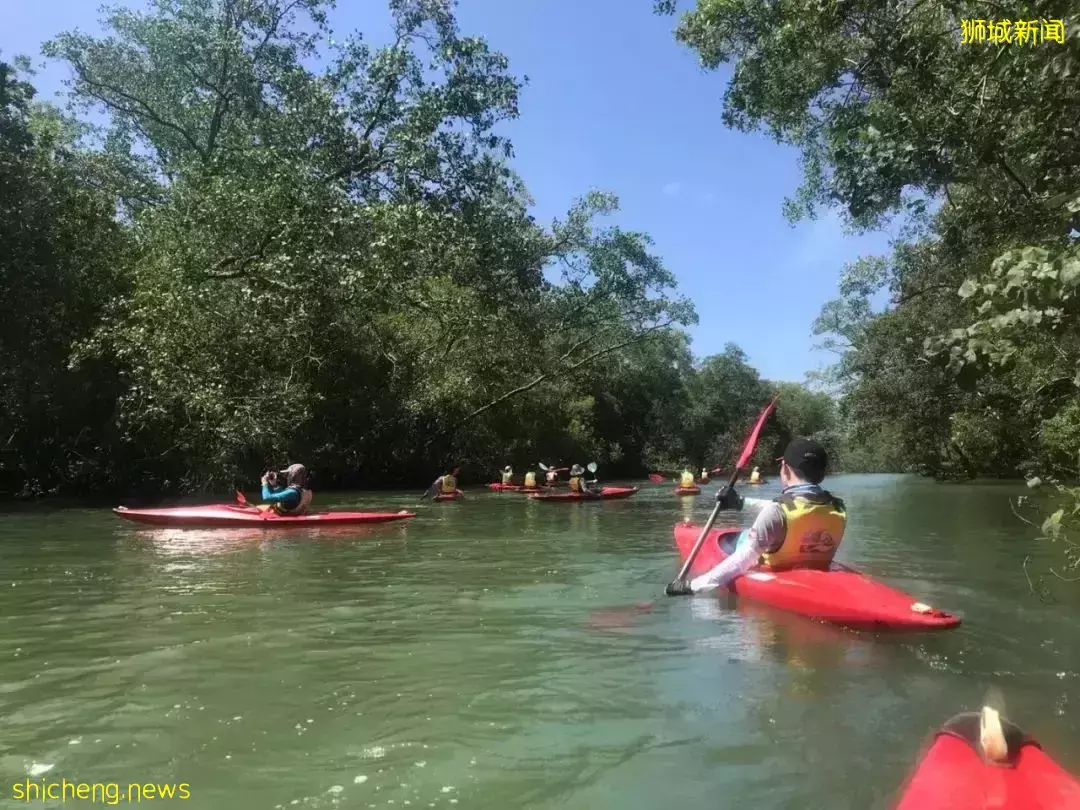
705,531
744,459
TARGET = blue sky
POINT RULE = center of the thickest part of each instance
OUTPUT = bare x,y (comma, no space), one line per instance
614,103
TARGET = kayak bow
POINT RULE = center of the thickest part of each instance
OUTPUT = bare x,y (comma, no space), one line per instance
955,773
840,595
449,496
225,515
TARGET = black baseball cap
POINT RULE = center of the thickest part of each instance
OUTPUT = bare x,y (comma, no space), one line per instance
808,458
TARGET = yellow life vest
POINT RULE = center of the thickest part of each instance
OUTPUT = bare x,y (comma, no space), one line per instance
814,526
575,484
447,484
507,478
299,509
687,479
530,480
755,477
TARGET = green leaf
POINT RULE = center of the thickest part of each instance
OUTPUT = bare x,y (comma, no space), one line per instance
1052,524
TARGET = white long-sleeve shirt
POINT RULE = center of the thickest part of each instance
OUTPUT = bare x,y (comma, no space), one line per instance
766,535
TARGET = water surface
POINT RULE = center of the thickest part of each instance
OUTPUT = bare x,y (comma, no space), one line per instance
500,653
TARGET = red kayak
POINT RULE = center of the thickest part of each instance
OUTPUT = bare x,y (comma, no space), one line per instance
687,490
449,496
497,487
606,494
840,595
226,515
954,773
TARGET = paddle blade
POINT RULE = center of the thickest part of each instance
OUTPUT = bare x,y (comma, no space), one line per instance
751,441
240,499
656,478
591,466
542,466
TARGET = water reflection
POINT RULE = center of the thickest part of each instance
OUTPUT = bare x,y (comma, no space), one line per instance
212,542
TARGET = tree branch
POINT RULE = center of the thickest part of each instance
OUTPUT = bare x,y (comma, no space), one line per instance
521,389
241,263
1015,178
147,110
905,298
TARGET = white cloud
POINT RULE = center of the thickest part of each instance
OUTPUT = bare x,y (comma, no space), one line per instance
672,188
706,197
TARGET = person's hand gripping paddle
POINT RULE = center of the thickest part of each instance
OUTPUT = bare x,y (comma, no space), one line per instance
725,498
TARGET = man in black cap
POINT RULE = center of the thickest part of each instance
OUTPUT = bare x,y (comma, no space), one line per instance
801,528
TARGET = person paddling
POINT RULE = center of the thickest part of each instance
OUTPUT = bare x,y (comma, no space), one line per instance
578,485
704,476
686,480
552,476
755,476
445,484
291,499
577,482
801,528
507,476
530,480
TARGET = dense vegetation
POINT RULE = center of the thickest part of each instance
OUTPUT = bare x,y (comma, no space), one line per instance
247,260
972,368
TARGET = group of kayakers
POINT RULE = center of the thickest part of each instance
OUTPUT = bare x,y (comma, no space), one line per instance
446,484
286,492
802,527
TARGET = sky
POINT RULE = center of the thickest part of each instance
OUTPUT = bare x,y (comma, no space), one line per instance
614,103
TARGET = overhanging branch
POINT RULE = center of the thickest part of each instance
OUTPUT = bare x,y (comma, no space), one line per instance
554,375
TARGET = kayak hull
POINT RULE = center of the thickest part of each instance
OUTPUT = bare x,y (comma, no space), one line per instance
449,496
224,516
497,487
687,490
606,494
953,774
840,595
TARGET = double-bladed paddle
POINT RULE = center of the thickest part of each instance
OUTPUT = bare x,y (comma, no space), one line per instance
744,459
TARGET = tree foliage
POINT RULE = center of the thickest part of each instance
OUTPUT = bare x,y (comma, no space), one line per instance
58,268
278,244
972,366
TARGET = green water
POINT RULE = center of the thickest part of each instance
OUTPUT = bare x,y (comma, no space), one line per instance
472,657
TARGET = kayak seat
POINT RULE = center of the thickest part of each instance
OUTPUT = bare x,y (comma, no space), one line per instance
965,727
